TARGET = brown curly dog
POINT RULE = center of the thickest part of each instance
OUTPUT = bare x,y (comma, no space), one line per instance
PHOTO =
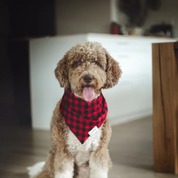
85,69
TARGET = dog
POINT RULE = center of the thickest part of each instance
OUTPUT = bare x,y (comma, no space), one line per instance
84,71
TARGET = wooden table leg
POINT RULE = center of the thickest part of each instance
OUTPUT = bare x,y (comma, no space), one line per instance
165,107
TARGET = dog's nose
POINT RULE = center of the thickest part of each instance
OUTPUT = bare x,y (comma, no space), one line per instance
87,78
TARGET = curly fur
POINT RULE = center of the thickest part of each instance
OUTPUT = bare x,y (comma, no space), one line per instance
67,157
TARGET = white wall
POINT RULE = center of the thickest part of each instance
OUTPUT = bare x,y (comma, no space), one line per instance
82,16
91,16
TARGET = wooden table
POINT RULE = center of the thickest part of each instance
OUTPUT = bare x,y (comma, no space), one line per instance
165,107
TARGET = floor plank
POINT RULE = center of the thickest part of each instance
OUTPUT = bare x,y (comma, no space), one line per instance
131,149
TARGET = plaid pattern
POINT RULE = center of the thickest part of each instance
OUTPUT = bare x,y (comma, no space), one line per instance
81,116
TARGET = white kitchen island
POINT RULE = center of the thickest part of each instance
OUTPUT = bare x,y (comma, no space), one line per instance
130,99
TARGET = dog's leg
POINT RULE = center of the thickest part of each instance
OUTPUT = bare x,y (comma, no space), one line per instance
82,171
63,168
67,171
99,164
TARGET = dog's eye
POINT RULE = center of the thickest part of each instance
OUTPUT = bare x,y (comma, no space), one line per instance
98,64
76,63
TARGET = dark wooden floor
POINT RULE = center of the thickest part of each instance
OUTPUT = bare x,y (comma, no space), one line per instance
130,148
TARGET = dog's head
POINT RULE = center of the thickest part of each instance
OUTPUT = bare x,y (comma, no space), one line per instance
86,69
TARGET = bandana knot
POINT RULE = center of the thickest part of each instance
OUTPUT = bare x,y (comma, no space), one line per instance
81,116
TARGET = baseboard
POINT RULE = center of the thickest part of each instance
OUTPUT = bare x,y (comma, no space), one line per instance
120,119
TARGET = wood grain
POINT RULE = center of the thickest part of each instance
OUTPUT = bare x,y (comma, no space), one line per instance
176,106
165,108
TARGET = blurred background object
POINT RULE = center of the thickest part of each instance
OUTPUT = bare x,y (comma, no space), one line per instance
136,12
161,30
136,17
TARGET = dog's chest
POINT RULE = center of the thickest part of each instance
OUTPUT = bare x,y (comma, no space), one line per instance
91,144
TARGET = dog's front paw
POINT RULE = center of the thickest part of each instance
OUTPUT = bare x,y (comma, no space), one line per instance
65,174
99,175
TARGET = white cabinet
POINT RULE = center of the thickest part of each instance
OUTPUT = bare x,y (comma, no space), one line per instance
130,99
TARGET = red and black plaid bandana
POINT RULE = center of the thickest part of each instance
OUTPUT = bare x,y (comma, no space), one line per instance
80,116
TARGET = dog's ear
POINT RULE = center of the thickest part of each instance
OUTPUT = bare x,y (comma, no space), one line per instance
61,72
113,72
